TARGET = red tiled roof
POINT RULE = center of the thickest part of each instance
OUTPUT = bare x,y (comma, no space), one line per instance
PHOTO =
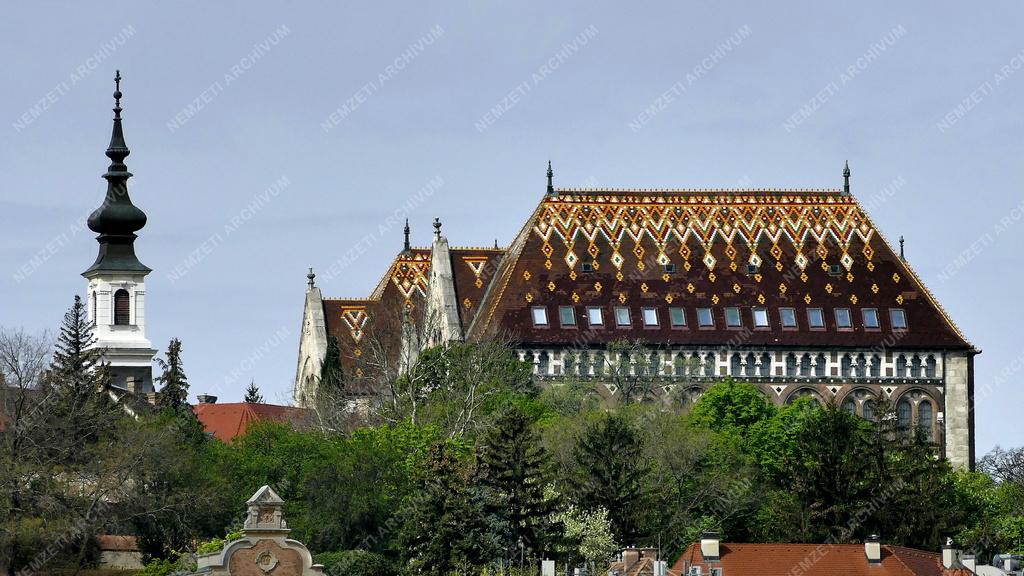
812,249
812,560
226,421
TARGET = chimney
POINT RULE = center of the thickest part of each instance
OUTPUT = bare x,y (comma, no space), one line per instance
206,399
1011,562
709,545
651,553
630,556
969,562
129,384
873,549
949,553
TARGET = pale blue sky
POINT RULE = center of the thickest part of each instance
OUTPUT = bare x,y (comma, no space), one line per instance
944,183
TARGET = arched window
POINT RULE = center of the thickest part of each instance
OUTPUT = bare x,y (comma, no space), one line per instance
543,363
869,410
94,318
735,365
915,367
709,364
845,365
903,411
122,309
861,367
679,365
819,365
584,365
806,393
765,367
750,366
901,366
850,405
790,364
876,366
568,363
599,364
652,363
924,418
929,367
805,365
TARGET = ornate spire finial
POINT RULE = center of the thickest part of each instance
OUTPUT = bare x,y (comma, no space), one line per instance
407,247
846,178
311,279
551,187
437,227
902,257
495,243
117,91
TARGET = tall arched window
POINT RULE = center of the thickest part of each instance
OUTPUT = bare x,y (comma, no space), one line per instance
915,367
584,365
850,405
94,318
122,308
861,367
876,366
903,415
869,410
679,365
569,362
924,418
709,364
845,365
929,367
901,366
805,365
750,365
790,364
765,367
735,365
543,363
819,365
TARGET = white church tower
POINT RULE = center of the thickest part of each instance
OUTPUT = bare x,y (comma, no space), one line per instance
117,280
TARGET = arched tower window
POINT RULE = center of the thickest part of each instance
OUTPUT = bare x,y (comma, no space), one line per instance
929,367
122,308
765,367
790,364
819,365
94,318
903,415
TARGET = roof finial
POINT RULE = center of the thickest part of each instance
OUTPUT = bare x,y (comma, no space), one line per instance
551,186
495,243
407,247
902,257
437,227
311,279
846,178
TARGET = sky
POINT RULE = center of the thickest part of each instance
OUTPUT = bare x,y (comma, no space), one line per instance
268,138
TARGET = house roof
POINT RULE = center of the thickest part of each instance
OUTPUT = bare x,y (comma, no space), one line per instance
811,249
812,560
226,421
111,542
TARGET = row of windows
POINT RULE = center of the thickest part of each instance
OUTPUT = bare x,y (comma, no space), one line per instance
740,365
705,317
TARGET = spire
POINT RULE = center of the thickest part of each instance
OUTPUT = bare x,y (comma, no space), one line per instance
495,243
407,247
437,227
117,219
551,174
311,279
902,257
846,178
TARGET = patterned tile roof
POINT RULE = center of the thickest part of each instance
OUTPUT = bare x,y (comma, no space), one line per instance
812,560
750,248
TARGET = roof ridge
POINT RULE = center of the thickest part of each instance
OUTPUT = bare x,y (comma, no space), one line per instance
702,190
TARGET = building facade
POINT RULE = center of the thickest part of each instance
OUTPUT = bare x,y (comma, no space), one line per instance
116,289
795,291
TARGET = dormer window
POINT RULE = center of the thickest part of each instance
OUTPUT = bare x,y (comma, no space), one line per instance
540,316
815,319
567,315
843,319
595,316
650,317
788,317
122,308
898,318
704,318
670,268
588,266
870,317
732,317
760,317
622,316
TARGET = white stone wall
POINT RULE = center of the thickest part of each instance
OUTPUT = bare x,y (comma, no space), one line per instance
959,427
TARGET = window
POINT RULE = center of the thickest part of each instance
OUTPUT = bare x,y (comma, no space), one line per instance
850,405
791,364
929,367
567,315
760,317
679,365
915,366
924,419
599,364
898,318
588,266
670,268
805,365
654,364
677,316
870,317
595,316
540,316
815,319
122,308
876,366
543,363
622,316
819,365
843,319
903,410
709,364
735,365
569,363
862,366
788,316
94,319
765,366
750,365
584,365
732,317
845,365
704,317
650,317
901,366
869,410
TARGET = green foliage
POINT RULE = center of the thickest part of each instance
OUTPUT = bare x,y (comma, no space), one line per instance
173,391
332,378
355,563
252,394
732,408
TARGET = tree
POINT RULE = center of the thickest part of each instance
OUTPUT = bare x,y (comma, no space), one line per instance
1004,465
611,475
332,377
588,535
447,530
252,394
732,407
514,468
174,384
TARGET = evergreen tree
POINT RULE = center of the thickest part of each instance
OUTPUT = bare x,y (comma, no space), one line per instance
76,367
612,470
447,529
174,385
332,379
252,394
514,468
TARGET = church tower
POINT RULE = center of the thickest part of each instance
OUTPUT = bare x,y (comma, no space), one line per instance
117,280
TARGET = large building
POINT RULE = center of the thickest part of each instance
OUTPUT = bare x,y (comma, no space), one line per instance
117,280
795,291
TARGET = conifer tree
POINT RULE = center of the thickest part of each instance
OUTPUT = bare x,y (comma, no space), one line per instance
514,469
252,394
331,377
76,366
173,392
